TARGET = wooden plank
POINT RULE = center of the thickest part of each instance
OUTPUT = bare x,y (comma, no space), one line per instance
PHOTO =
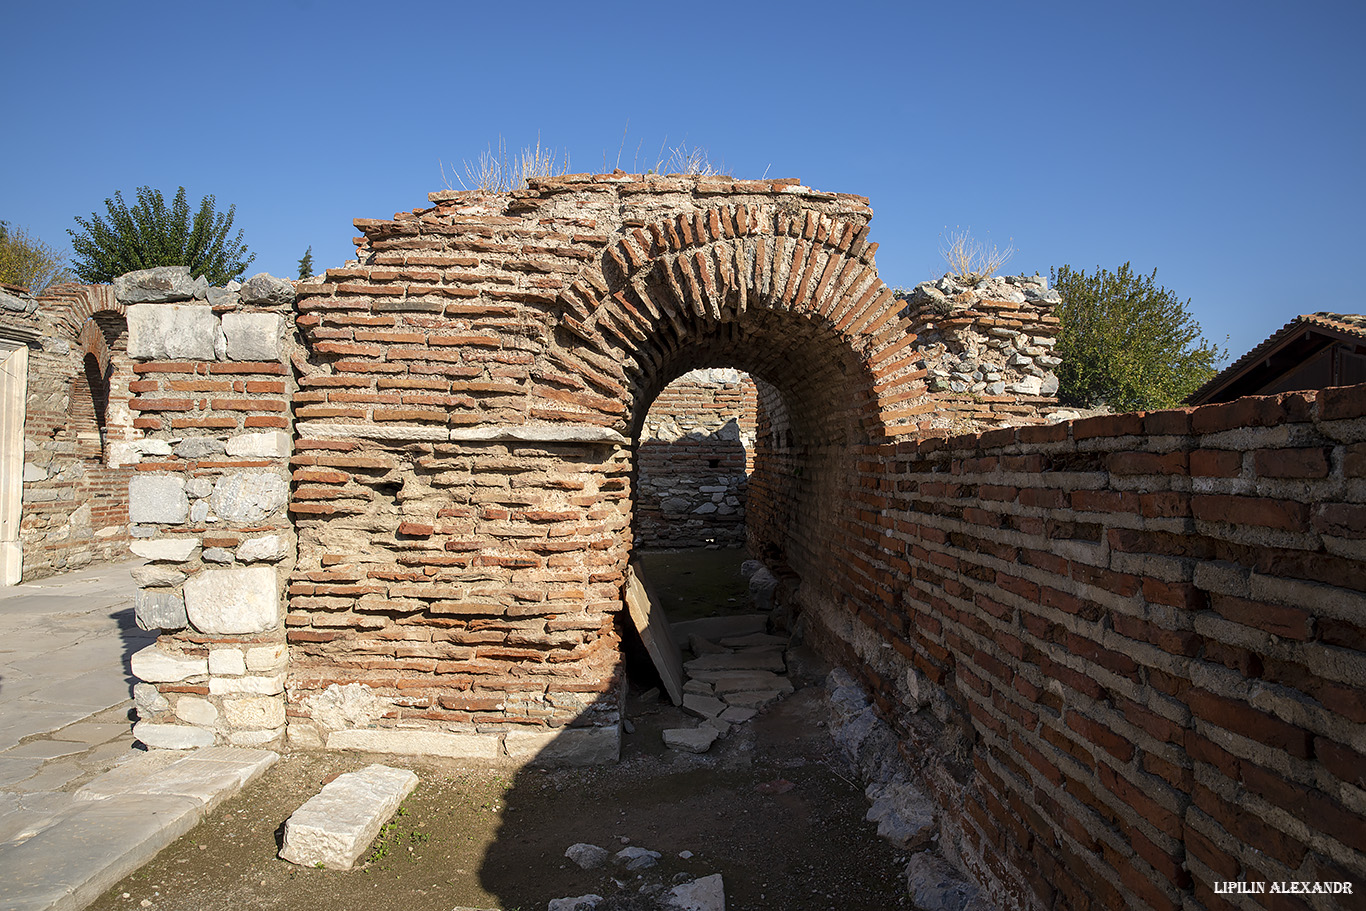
649,620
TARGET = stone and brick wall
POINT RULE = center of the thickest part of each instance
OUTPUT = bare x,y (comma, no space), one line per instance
693,459
207,504
66,478
1127,652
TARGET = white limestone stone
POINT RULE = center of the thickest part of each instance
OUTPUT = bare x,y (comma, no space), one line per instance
254,336
247,686
171,550
248,496
153,576
418,743
233,601
160,331
158,609
706,893
156,666
336,826
267,548
172,736
227,662
269,444
157,498
194,710
690,740
265,657
254,711
255,738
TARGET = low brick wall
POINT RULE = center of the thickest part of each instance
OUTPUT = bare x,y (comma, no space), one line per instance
1127,651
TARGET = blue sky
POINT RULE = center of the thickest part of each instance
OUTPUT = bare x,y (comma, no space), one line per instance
1221,143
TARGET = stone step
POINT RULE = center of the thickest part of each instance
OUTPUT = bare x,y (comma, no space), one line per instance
717,628
337,824
748,660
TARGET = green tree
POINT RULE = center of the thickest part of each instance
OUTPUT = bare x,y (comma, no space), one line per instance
306,264
28,262
151,234
1127,342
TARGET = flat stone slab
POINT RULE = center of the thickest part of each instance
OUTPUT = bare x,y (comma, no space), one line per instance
690,740
755,640
747,660
86,850
705,894
724,682
207,776
336,825
703,706
44,749
753,700
718,628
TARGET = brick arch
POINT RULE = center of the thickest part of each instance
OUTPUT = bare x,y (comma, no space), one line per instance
76,306
782,292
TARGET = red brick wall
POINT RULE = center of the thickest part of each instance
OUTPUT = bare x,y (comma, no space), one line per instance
1127,651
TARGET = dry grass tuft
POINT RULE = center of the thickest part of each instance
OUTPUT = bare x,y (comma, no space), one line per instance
970,261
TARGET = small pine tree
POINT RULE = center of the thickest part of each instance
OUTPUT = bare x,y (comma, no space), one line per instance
150,234
306,264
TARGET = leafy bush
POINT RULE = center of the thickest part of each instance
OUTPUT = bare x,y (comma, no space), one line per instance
28,262
150,234
1126,342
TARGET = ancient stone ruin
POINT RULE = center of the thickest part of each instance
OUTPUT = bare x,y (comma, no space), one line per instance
392,509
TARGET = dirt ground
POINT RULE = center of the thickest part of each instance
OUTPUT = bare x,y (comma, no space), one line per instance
770,808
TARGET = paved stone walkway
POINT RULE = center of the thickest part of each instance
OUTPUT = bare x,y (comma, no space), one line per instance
80,808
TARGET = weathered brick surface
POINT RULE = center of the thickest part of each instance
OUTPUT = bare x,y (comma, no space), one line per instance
1126,654
1161,690
76,416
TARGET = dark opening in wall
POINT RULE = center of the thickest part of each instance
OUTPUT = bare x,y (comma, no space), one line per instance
693,462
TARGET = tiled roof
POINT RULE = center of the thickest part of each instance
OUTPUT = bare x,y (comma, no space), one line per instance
1352,324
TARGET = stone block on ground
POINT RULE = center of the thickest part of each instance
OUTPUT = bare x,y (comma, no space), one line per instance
566,746
718,628
703,706
689,740
172,736
588,857
578,903
936,886
756,699
706,893
334,827
747,660
725,682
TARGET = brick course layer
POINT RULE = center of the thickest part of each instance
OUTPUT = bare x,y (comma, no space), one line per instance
1128,649
75,505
